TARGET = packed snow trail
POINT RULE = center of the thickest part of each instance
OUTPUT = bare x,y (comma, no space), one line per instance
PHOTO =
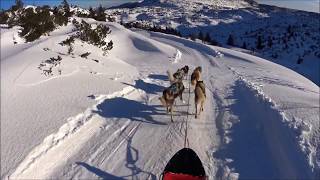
244,132
277,152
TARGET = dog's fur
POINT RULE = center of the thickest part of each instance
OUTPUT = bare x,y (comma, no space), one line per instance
196,75
179,75
169,96
199,96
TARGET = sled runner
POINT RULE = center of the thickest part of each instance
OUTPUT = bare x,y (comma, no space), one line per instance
184,165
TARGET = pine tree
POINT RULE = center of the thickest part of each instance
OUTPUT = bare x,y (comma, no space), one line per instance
19,4
208,38
107,48
244,45
110,45
66,8
214,42
179,33
92,13
35,24
230,40
3,17
100,14
68,42
193,36
289,29
259,43
270,42
168,30
59,18
201,36
300,60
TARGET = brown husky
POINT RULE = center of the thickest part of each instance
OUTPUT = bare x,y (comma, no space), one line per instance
170,94
199,96
196,75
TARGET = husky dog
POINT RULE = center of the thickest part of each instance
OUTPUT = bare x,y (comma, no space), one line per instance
170,94
179,75
185,69
199,96
196,75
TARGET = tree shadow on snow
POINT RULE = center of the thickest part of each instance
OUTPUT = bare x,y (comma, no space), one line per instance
100,173
125,108
132,157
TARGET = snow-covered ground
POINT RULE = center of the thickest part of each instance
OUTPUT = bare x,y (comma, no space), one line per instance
100,117
286,35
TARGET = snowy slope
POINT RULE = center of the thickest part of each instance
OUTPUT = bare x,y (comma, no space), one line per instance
101,117
286,35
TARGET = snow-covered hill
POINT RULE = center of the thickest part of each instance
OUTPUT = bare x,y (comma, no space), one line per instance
288,37
100,117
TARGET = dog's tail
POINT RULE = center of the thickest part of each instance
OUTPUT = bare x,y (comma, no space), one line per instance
193,82
193,79
163,101
170,76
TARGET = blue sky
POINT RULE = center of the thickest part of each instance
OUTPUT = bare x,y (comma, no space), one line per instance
308,5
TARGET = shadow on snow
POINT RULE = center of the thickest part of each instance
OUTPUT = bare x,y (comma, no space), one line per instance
147,87
100,173
159,77
125,108
132,157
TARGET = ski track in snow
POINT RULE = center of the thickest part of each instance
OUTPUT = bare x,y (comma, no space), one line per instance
81,126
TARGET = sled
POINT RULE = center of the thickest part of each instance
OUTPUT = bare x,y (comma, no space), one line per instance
184,165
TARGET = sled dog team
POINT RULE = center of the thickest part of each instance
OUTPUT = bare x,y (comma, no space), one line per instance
176,89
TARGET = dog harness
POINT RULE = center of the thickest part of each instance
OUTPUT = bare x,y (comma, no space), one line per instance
175,88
